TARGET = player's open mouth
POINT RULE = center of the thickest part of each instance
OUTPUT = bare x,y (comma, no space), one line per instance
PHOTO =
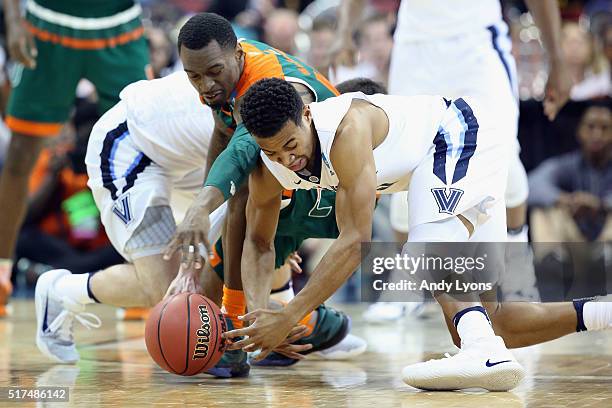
213,95
298,164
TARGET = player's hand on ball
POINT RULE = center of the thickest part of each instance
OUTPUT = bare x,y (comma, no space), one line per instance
189,234
187,281
271,330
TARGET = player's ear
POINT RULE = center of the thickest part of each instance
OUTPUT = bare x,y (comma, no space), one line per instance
307,114
239,51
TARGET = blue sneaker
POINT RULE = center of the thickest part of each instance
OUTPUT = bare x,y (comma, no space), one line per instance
233,363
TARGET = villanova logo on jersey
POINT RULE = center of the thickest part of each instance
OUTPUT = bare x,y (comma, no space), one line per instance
122,209
447,203
455,144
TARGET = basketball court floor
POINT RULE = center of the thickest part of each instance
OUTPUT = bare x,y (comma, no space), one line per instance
116,371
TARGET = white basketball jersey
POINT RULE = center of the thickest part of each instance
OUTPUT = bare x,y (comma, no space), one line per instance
424,20
169,124
413,124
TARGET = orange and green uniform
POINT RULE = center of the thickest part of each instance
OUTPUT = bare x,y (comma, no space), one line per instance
233,165
100,40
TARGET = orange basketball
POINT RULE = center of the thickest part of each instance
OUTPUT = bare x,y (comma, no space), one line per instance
183,334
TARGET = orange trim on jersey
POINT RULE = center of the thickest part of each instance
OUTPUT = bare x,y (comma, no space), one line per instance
287,194
214,259
326,82
85,43
27,127
257,65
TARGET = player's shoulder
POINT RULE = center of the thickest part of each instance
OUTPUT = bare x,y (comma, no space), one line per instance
259,62
264,61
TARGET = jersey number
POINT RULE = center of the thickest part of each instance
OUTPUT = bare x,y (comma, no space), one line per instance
317,211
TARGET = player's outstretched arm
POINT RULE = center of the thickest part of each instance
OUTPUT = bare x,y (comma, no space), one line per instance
548,19
230,166
353,161
354,164
258,254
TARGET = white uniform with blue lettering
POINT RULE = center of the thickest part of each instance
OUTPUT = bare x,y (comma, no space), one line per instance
146,160
458,48
446,154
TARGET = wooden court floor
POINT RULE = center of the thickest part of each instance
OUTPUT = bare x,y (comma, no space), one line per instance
116,371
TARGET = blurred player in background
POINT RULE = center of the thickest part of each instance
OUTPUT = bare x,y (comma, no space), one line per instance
57,44
462,48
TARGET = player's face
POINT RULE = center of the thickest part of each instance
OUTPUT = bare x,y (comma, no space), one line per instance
293,146
213,71
595,131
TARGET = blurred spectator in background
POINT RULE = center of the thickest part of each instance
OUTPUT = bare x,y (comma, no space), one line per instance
161,51
62,227
587,66
573,192
280,28
375,42
322,35
607,44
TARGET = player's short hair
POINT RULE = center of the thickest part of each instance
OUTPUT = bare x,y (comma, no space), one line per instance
365,85
203,28
268,105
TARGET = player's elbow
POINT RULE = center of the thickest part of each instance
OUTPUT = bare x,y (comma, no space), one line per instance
355,238
260,243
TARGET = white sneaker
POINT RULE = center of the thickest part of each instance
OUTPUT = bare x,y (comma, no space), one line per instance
486,363
349,347
54,319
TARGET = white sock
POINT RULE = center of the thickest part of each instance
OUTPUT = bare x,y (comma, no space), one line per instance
74,286
472,326
521,235
285,295
597,315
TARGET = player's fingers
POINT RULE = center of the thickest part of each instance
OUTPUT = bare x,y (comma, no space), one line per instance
32,48
250,316
188,255
197,258
262,354
250,348
242,343
206,243
237,333
289,353
550,108
295,335
297,257
297,348
171,248
23,54
295,267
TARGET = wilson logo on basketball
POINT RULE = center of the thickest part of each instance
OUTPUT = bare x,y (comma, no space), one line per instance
203,333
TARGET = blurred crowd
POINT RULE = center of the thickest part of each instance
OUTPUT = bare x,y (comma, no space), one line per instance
569,160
